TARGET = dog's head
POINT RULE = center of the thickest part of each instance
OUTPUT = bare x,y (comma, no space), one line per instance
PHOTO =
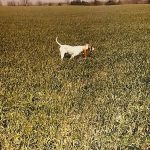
89,47
87,50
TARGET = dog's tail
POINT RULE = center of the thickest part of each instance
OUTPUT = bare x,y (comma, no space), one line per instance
57,41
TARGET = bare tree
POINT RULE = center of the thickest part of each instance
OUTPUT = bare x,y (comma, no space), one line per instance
95,2
39,3
67,1
11,3
25,2
1,4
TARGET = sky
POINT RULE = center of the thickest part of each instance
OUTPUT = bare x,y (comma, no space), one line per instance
34,1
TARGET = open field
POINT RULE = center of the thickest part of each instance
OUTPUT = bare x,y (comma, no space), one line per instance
102,102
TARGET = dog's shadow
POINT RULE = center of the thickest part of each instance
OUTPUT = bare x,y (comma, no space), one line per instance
68,56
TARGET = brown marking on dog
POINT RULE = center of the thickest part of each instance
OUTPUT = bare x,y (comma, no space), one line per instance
84,53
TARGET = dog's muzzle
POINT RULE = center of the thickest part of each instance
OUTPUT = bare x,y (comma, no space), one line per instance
91,49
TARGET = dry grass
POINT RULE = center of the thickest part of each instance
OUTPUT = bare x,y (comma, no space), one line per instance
98,103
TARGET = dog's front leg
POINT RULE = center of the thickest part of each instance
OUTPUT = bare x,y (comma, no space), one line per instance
72,56
84,53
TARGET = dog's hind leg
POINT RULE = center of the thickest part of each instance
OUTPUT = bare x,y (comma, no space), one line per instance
62,55
72,56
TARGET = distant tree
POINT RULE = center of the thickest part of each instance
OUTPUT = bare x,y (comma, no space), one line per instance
49,4
45,4
76,2
1,3
30,3
59,4
97,2
39,3
113,2
25,2
67,1
79,2
134,1
11,3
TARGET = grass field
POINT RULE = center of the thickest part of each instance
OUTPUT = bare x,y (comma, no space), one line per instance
102,102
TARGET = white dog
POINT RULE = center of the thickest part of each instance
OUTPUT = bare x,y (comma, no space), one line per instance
73,50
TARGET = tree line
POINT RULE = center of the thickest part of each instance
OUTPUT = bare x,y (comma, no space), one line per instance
73,2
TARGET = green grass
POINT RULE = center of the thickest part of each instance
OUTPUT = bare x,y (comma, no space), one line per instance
98,103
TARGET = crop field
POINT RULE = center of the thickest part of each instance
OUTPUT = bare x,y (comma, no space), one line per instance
98,103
